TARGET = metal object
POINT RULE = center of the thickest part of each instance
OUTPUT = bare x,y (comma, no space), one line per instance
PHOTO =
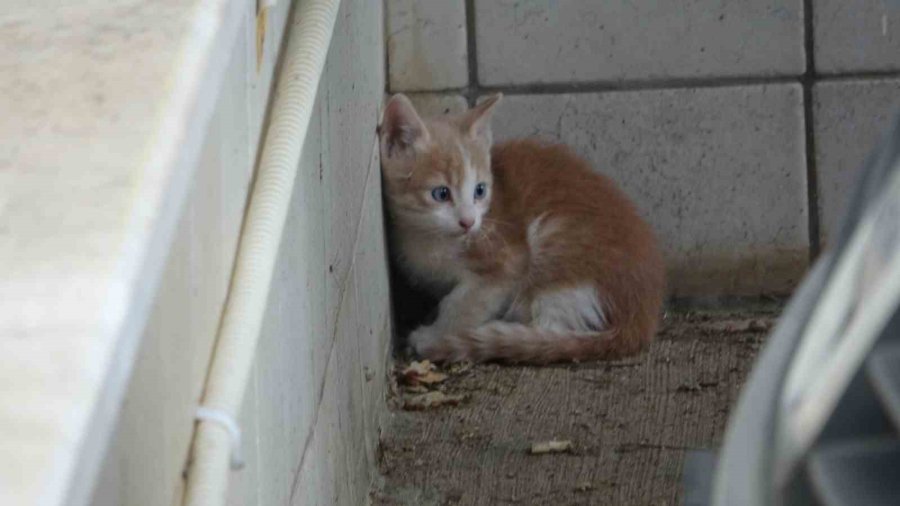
819,419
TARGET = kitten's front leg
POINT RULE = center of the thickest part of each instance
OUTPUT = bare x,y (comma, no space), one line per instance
423,337
470,304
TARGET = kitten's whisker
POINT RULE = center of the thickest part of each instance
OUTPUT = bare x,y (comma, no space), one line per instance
486,234
498,222
501,237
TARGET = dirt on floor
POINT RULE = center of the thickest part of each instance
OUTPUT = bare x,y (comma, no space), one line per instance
619,430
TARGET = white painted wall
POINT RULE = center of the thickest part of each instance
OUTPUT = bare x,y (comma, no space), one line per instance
316,399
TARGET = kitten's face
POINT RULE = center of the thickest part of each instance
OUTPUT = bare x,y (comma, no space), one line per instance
445,188
437,172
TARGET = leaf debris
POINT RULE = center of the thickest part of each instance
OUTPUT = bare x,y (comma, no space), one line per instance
423,372
431,400
551,446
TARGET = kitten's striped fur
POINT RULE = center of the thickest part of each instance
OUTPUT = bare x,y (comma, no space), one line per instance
553,263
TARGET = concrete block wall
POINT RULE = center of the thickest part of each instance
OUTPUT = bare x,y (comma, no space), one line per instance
737,127
315,402
319,400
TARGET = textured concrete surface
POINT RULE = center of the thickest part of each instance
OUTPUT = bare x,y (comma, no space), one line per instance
548,41
856,35
718,172
105,109
850,119
426,43
630,423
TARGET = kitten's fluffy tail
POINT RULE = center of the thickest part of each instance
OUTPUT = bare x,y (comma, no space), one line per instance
517,343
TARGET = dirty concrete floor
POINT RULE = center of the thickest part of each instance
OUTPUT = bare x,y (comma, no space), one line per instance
630,422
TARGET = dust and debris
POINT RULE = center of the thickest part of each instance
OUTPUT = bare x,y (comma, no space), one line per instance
424,372
431,400
551,447
420,386
459,367
418,368
735,326
584,487
629,422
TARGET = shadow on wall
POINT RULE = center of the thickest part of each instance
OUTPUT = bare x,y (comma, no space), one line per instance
411,306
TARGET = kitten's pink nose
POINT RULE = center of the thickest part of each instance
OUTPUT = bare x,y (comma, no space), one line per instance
466,223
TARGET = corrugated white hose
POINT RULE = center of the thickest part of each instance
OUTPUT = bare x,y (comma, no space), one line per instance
309,37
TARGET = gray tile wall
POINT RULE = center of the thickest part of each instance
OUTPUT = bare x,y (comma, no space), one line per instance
737,132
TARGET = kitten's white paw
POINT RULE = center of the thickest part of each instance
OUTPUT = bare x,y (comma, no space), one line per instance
422,339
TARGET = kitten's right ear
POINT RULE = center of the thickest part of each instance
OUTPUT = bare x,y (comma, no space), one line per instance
477,120
402,130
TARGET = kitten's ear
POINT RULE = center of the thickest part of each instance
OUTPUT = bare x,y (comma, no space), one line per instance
477,121
401,129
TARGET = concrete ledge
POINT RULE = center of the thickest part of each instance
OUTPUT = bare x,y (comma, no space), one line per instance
105,108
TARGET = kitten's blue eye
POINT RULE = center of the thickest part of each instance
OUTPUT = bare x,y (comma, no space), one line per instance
480,190
441,193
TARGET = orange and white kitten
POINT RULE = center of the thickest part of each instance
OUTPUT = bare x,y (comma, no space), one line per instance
541,259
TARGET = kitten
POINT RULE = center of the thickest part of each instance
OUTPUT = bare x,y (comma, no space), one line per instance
541,259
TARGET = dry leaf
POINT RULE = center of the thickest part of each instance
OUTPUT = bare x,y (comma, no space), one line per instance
431,400
742,325
421,372
551,447
459,367
410,374
419,368
432,378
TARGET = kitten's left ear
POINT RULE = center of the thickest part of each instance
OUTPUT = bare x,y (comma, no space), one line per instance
401,129
477,121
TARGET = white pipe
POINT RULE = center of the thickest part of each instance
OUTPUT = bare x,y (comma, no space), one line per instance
309,37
